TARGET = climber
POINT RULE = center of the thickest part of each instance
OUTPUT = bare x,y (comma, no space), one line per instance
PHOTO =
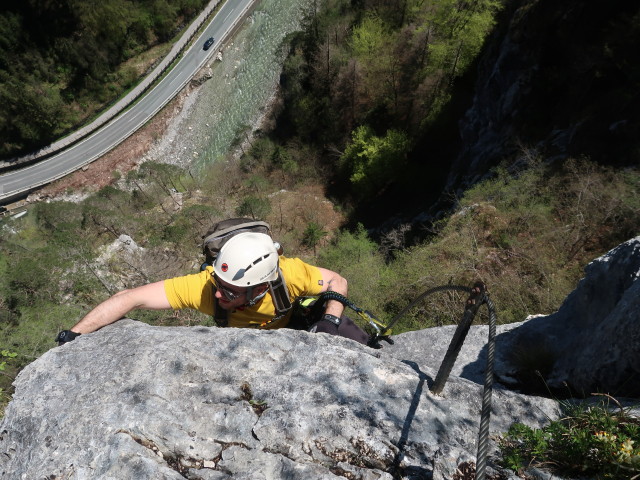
240,289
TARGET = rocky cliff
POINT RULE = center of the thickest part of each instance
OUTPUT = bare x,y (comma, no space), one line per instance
590,345
558,78
135,401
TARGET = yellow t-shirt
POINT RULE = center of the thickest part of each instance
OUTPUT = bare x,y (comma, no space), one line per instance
196,291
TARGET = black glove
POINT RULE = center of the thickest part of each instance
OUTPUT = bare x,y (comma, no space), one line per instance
66,336
374,341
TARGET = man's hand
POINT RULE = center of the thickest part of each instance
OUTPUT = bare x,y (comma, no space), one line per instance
66,336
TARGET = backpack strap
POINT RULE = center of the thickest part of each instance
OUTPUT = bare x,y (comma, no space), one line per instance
220,315
221,232
279,295
232,228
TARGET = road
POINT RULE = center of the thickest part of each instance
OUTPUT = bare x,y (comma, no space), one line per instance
18,183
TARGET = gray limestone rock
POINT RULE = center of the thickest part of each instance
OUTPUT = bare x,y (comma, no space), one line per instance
592,342
599,350
135,401
428,347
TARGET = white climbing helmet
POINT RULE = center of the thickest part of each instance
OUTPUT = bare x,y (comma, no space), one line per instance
246,260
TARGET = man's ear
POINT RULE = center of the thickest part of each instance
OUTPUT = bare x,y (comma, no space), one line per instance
260,289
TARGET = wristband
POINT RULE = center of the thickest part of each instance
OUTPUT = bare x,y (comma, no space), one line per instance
66,336
332,318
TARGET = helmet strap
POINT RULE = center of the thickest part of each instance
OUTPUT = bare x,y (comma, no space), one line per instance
255,299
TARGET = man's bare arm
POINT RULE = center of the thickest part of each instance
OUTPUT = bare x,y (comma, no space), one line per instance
151,296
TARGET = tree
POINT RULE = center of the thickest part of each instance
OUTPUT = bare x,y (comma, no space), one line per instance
281,158
370,44
254,207
312,235
372,162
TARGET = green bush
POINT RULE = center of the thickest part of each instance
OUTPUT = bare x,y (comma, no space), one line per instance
33,334
6,357
371,162
598,441
527,236
254,207
30,278
356,257
312,235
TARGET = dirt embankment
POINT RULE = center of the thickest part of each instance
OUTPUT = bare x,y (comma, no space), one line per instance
122,159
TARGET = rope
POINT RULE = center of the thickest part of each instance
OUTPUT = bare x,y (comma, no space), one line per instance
331,295
425,294
478,297
379,331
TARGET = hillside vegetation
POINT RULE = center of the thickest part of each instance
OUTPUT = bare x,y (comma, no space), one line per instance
364,83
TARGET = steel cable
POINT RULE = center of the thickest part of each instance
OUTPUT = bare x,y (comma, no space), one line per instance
483,433
473,305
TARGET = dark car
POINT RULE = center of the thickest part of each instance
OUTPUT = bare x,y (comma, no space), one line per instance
208,43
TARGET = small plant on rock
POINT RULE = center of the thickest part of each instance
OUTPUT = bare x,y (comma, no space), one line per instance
258,406
5,397
591,440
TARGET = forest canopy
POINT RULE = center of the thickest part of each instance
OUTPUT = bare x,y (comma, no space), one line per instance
366,75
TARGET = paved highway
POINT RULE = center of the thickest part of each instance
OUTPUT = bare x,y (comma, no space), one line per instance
16,184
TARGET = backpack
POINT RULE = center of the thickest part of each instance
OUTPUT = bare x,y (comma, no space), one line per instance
222,231
217,236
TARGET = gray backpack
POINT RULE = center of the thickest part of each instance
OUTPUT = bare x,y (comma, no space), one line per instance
221,232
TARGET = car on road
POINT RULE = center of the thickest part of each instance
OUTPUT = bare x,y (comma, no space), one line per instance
208,43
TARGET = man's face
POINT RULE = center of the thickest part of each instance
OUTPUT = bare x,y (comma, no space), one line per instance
229,296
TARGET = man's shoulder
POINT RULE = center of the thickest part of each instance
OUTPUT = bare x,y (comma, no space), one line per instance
293,263
203,276
300,275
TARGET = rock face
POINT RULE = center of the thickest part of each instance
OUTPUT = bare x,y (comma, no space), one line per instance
554,79
590,345
135,401
594,338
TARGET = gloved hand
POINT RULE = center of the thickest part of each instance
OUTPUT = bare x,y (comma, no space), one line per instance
66,336
374,342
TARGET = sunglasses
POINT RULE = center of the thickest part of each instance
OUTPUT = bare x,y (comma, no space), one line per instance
226,292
